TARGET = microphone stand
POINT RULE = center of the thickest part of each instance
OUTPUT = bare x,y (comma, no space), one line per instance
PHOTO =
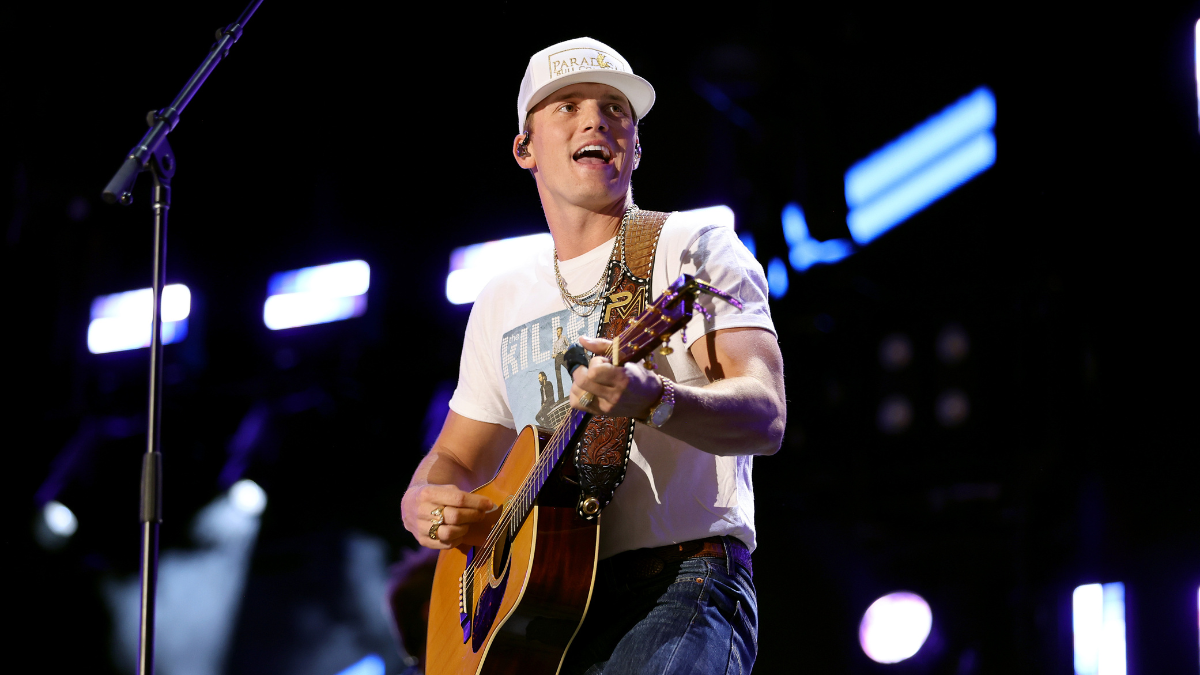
153,153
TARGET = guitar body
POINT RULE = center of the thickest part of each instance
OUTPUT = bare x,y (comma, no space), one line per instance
529,598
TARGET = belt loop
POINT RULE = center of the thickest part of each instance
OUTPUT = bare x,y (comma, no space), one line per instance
728,556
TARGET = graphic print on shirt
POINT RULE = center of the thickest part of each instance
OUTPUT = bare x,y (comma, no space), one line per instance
534,369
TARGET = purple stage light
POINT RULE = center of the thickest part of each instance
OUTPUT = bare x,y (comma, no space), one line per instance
895,352
953,345
952,407
895,627
895,414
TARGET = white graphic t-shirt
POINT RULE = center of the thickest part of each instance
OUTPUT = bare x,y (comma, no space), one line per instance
512,373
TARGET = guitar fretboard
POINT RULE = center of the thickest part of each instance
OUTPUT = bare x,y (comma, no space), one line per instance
523,500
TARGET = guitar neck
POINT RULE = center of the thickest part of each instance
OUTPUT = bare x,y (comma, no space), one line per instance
554,450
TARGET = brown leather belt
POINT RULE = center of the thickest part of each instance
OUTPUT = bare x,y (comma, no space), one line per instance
644,563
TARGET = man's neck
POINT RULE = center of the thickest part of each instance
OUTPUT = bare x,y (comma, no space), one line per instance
579,229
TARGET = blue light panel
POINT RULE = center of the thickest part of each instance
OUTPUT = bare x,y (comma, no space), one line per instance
921,166
313,295
806,251
369,665
121,321
748,241
777,278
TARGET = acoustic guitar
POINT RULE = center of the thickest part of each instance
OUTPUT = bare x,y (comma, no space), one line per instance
515,603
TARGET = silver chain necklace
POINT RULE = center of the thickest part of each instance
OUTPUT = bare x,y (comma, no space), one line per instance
593,297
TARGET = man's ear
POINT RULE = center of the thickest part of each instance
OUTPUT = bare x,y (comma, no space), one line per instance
522,152
637,151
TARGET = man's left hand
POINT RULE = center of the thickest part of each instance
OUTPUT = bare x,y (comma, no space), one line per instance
628,390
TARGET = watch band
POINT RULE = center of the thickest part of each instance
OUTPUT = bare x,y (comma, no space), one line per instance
667,399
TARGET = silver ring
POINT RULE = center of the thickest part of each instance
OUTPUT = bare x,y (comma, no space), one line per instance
587,399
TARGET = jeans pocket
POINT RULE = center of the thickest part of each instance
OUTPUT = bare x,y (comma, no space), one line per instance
743,642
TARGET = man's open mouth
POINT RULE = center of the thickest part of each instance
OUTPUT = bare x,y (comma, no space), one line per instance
593,154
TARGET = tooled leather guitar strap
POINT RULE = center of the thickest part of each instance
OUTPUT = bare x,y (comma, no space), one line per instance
602,454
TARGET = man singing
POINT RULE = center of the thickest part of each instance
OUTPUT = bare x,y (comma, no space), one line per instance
674,590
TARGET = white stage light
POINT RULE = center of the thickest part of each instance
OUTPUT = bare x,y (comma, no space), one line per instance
1098,622
894,627
313,295
472,267
200,591
721,215
59,519
121,321
248,497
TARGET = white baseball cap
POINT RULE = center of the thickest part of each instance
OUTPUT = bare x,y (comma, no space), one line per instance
580,60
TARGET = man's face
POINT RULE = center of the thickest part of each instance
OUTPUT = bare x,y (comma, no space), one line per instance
559,331
582,145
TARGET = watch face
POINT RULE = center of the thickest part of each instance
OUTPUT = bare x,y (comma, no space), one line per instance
661,414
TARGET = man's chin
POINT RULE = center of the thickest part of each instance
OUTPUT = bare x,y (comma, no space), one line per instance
600,198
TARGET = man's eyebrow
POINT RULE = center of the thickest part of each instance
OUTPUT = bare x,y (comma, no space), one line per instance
564,95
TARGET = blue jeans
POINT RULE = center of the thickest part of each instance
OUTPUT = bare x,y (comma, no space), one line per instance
696,616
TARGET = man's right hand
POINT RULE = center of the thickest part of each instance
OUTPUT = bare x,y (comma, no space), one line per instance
459,510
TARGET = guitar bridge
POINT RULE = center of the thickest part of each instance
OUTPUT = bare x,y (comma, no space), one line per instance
466,588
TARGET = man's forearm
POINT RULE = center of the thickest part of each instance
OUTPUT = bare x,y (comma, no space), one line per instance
437,468
735,416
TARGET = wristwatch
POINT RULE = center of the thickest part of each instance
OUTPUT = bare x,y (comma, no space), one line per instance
661,412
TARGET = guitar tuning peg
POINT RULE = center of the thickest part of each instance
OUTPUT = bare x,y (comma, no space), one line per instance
665,349
649,363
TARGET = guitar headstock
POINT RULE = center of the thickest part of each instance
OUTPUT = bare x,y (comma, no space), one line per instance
667,314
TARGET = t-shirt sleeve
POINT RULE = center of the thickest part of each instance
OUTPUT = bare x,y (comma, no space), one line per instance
480,391
714,254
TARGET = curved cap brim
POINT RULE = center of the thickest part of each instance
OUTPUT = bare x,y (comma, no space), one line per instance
636,89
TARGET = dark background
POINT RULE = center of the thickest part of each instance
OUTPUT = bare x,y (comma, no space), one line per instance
384,134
